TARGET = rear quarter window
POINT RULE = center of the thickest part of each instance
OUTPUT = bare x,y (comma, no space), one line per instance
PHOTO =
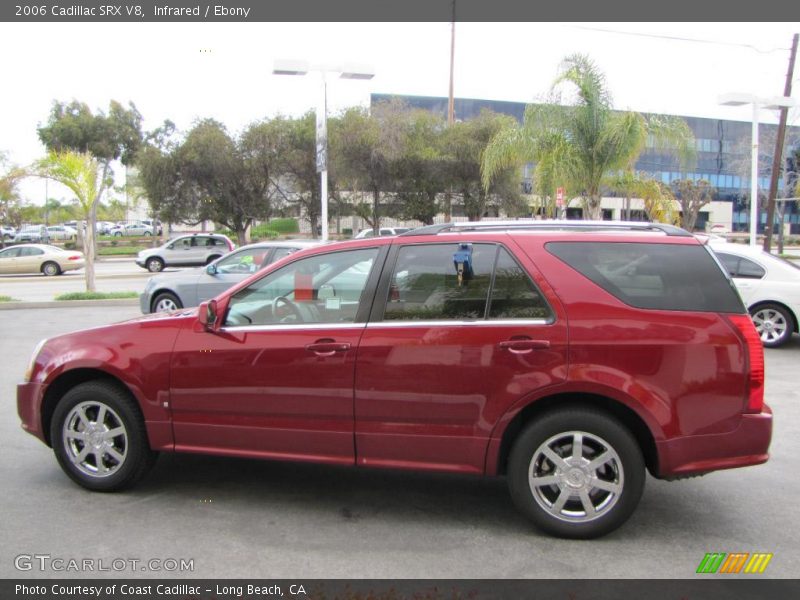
653,276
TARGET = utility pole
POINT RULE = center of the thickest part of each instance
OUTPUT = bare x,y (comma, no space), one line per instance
776,158
451,103
451,106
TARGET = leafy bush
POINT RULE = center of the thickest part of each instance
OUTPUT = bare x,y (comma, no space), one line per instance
284,225
96,296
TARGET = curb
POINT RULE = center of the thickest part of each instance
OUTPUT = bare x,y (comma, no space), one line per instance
69,303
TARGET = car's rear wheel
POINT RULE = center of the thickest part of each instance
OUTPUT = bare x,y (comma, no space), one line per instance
147,233
166,302
154,265
50,268
774,324
99,437
212,258
576,473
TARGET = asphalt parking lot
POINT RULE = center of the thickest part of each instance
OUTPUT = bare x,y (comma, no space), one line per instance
240,518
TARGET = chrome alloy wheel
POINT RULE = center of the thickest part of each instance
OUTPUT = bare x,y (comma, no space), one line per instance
576,476
95,439
771,324
165,304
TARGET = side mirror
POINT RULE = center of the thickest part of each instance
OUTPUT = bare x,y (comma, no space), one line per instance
211,269
208,315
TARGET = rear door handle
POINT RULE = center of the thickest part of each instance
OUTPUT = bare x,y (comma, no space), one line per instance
524,346
328,347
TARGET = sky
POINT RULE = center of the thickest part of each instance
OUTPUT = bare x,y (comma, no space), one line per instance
188,71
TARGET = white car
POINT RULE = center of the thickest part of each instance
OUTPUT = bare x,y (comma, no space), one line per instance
368,233
131,229
769,287
62,232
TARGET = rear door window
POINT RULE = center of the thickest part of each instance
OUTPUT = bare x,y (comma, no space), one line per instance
654,276
738,266
425,286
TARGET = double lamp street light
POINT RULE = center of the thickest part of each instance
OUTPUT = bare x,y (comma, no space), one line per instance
301,67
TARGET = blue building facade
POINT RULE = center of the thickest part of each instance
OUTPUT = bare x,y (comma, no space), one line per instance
723,153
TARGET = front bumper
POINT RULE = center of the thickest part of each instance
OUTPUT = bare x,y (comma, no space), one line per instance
144,303
29,407
746,445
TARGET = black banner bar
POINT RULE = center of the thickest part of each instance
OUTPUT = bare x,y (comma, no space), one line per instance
394,10
702,588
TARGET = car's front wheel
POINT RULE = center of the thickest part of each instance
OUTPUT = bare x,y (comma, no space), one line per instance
774,324
576,473
154,265
166,302
99,437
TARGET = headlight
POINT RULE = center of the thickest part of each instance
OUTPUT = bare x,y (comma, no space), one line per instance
34,356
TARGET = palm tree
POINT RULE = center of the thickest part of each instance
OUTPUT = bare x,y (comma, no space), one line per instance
576,145
87,179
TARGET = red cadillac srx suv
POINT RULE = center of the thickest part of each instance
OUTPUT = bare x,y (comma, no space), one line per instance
567,356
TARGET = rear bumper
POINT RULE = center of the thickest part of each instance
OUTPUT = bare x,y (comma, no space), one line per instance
747,445
29,407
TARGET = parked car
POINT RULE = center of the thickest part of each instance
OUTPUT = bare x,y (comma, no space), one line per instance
104,227
719,229
185,251
368,233
170,291
769,287
7,232
157,228
131,229
39,258
32,234
568,356
62,232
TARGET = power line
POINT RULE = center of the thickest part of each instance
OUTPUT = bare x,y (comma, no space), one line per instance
680,39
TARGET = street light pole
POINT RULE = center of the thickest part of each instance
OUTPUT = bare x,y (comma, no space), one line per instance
738,99
754,178
297,67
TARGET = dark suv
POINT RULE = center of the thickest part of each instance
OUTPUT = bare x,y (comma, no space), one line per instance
567,356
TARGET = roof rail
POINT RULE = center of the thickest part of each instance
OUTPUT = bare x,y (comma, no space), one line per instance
554,225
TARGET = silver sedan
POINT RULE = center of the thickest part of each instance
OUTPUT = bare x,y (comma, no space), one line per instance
171,291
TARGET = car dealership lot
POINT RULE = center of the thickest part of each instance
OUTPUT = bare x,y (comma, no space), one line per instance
239,518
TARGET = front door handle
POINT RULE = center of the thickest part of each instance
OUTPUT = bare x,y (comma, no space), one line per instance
524,346
327,347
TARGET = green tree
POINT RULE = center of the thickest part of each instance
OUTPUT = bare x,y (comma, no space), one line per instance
73,128
211,176
420,172
364,149
86,179
577,145
10,201
692,196
465,145
285,150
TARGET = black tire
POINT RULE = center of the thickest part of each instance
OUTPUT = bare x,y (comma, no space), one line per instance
118,234
774,323
154,264
148,234
50,268
557,431
212,258
164,302
99,470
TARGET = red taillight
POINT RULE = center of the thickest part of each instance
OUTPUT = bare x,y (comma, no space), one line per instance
75,257
755,355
